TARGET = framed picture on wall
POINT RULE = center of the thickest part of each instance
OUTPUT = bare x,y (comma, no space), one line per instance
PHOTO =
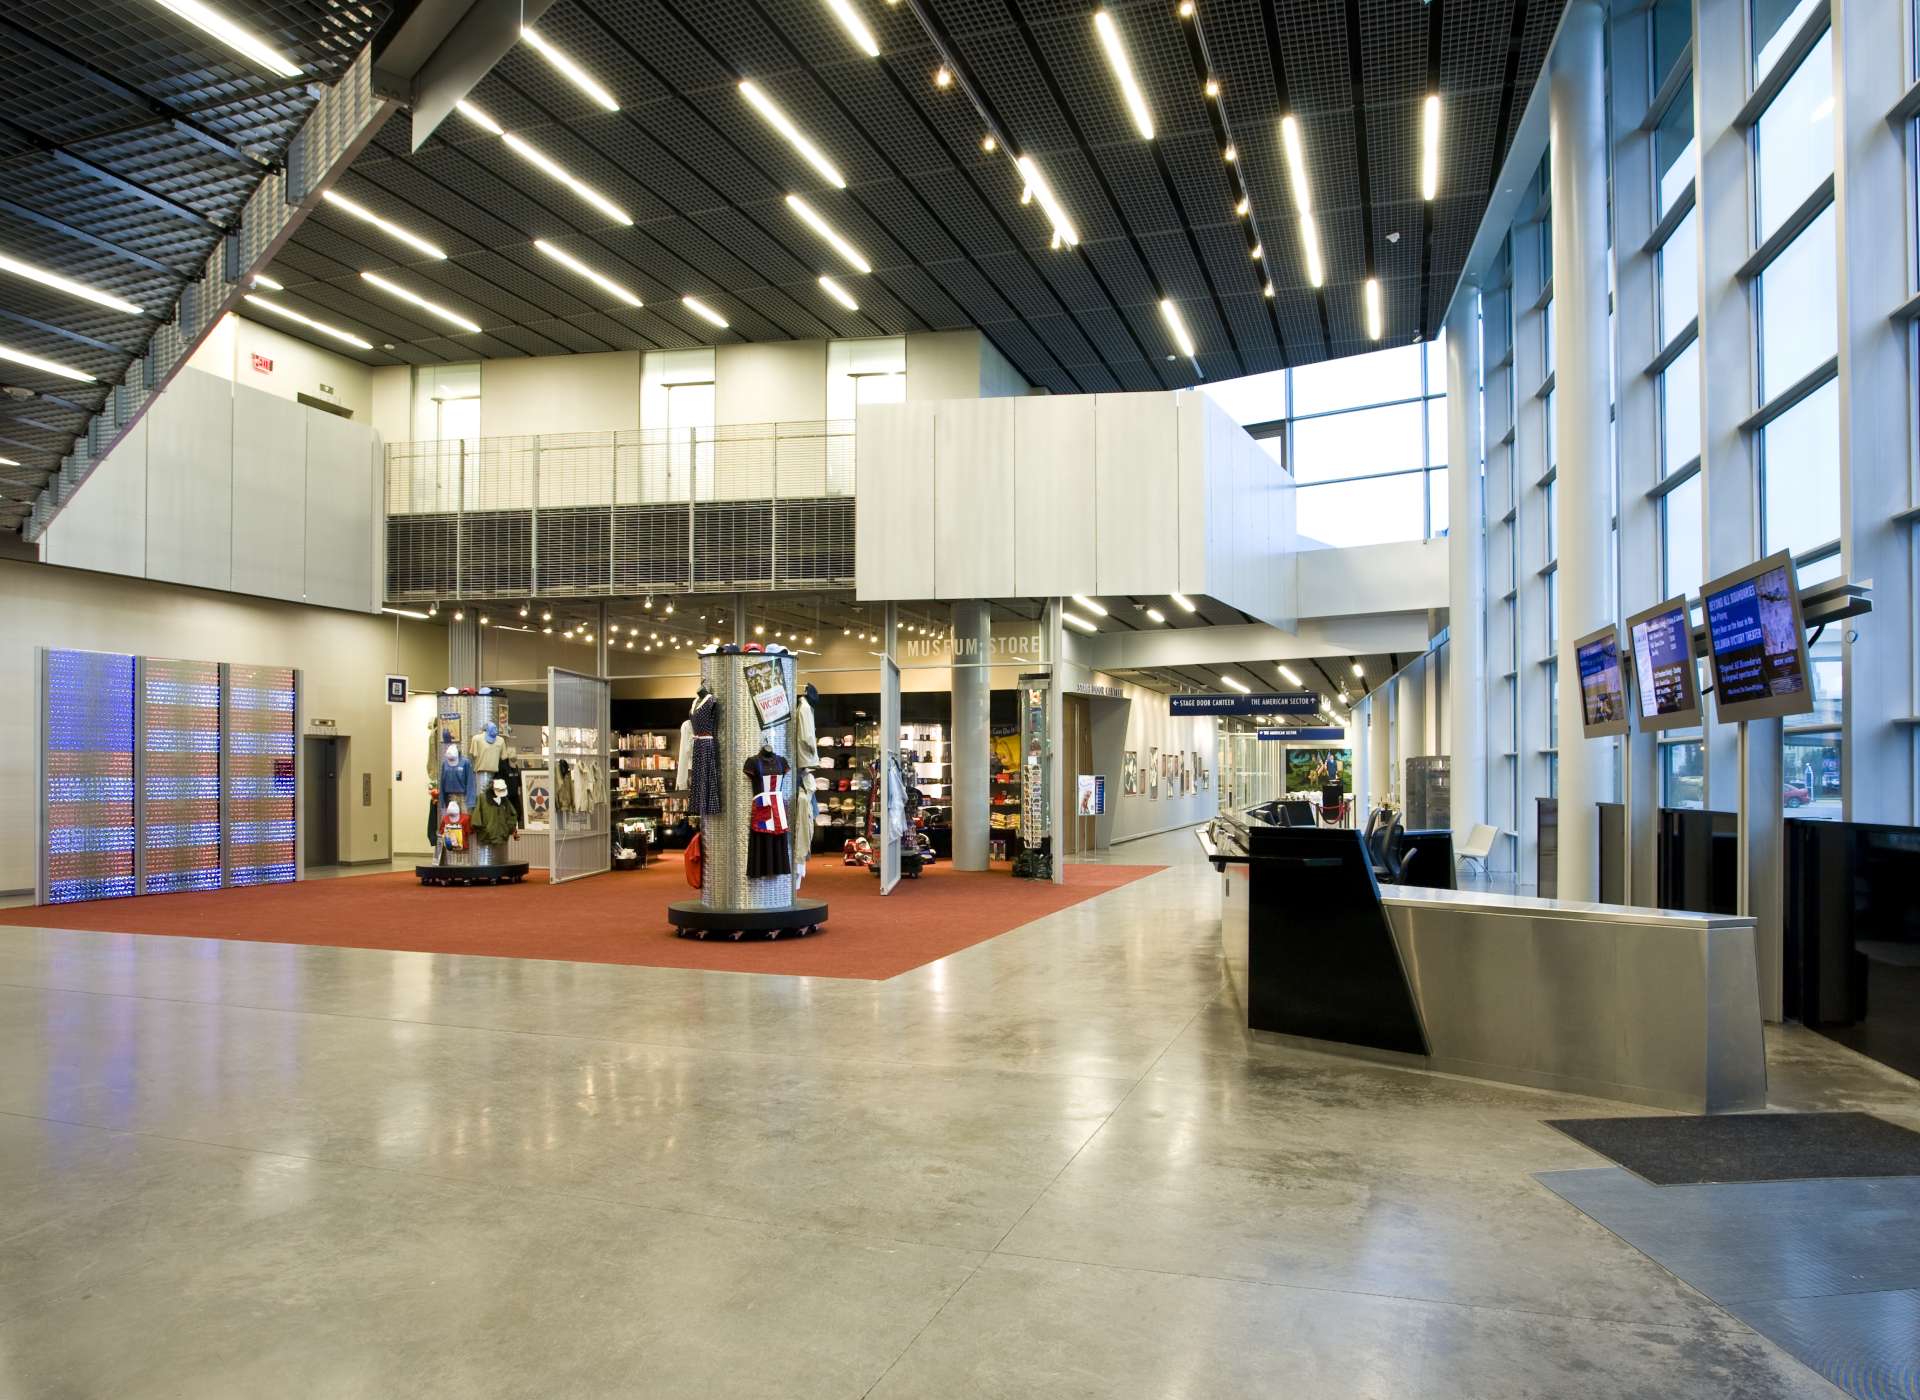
1153,774
536,799
1130,772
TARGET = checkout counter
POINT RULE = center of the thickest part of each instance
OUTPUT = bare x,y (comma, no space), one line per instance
1647,1006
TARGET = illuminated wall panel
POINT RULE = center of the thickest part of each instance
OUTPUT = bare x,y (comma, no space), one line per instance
260,742
89,775
180,775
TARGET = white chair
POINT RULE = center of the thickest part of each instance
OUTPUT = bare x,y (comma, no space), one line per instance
1479,845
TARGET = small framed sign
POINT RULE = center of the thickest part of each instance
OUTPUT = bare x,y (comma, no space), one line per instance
396,690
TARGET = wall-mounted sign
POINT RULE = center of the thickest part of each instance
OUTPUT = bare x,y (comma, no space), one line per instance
262,364
1301,735
1104,692
1092,795
396,690
1292,702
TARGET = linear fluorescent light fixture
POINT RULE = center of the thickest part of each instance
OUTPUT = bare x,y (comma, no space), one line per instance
1089,605
1156,615
839,293
1177,325
1375,324
855,258
1184,601
21,357
1075,620
8,462
574,265
479,118
260,279
781,123
28,272
1037,183
1310,244
1122,66
568,69
1430,147
241,40
1233,684
452,318
406,612
287,311
704,312
392,230
855,26
1296,164
1291,678
544,163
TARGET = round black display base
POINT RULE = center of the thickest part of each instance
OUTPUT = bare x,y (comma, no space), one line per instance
692,919
472,874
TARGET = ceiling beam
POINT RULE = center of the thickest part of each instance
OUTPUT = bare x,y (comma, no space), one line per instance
53,225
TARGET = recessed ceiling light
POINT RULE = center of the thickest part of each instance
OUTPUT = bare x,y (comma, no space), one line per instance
1267,291
856,27
21,357
943,77
1310,242
260,279
1358,669
988,144
46,278
1037,183
1231,154
705,313
452,318
1375,324
855,258
573,264
241,41
290,314
1178,326
1430,147
1212,88
1258,252
568,69
1089,605
779,121
1243,208
1184,601
1115,48
1156,615
839,293
392,230
1186,9
1075,620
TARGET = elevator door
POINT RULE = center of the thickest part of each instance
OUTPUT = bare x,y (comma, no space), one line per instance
320,801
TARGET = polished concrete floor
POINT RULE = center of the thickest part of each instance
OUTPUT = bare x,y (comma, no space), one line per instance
1050,1165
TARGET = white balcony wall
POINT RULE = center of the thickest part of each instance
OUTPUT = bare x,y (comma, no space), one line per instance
224,486
1096,494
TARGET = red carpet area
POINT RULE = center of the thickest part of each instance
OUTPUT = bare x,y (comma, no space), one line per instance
614,918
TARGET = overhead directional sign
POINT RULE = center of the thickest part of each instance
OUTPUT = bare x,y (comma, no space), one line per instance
1291,702
1301,735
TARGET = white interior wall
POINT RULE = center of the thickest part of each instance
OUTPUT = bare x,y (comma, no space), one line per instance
286,367
560,394
1150,726
343,656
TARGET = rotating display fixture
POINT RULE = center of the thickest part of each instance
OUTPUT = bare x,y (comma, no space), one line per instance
473,825
743,785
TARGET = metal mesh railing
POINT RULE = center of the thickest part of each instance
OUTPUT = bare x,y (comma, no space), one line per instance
744,505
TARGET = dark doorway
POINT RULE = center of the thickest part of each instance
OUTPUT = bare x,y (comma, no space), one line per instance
320,801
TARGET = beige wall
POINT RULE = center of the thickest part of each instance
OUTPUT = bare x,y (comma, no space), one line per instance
344,658
782,381
943,365
392,415
297,367
560,394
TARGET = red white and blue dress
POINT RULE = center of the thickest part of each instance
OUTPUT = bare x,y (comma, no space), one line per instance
769,846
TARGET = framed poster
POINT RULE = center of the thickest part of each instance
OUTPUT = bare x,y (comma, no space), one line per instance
1130,773
1153,774
1314,770
449,729
536,799
769,692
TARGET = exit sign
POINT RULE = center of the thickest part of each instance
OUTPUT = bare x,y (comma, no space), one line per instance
262,365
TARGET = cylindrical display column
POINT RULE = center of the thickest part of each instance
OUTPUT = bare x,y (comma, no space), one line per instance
740,735
1576,113
970,744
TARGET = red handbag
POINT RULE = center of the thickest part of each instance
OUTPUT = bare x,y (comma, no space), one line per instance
695,862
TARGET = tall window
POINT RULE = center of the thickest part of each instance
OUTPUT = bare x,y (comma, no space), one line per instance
1365,437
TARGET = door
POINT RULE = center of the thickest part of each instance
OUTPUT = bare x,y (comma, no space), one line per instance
690,442
320,801
1076,744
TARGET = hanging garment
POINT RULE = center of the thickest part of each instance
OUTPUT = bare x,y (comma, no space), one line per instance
454,827
768,844
896,798
486,753
563,786
683,770
495,819
456,782
703,787
696,861
806,739
805,819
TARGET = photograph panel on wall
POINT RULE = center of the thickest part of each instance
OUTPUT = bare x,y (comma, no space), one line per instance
1130,772
1153,773
1313,770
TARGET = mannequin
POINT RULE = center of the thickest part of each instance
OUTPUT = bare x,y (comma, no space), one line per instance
768,850
456,777
494,817
703,775
488,749
806,747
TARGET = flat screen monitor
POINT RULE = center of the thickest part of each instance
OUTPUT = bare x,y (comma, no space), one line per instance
1603,684
1757,641
1666,680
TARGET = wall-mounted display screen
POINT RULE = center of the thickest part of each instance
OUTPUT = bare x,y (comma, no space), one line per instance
1757,642
1603,684
1666,679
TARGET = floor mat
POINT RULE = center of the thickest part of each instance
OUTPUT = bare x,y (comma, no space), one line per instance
1827,1270
614,918
1750,1146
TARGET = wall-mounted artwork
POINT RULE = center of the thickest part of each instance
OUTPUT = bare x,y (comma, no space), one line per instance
1130,772
1153,773
1310,770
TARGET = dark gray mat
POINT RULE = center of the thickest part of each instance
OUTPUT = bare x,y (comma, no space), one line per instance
1732,1147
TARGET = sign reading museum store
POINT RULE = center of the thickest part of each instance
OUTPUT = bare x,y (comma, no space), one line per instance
1291,702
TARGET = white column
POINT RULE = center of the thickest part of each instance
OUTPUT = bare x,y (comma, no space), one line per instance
1467,586
1576,110
463,652
1877,758
970,744
1380,745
